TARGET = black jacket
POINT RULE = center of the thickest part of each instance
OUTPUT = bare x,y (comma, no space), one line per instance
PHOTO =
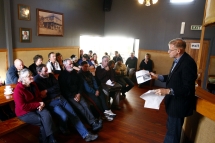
70,83
182,81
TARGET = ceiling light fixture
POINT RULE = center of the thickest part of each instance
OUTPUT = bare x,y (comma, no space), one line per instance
148,2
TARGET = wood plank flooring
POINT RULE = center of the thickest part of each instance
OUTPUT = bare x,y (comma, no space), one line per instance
133,124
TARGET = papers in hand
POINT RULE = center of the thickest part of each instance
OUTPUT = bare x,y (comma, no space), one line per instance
109,82
152,100
142,76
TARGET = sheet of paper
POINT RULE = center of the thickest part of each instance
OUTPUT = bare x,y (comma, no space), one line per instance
140,79
109,82
152,100
143,76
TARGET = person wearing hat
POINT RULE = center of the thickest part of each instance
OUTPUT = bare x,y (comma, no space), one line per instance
121,76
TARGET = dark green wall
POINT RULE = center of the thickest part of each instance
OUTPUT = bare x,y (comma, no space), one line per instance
80,17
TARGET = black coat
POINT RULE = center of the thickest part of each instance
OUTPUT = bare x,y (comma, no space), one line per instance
182,81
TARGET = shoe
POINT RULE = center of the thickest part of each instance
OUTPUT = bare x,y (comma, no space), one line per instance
109,113
108,118
96,126
90,137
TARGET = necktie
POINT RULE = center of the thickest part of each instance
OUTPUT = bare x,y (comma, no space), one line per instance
175,62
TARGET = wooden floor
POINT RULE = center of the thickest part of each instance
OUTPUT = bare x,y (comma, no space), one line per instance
133,124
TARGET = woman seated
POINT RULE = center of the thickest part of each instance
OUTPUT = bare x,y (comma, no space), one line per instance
30,108
92,91
38,59
94,60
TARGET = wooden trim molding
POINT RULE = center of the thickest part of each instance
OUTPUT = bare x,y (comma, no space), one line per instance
153,51
3,50
45,48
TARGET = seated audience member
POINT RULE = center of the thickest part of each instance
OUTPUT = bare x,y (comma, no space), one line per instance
85,57
146,64
117,55
103,74
131,64
30,108
90,54
75,63
106,54
38,59
50,91
94,60
71,86
59,59
52,65
121,72
111,65
93,92
12,74
81,53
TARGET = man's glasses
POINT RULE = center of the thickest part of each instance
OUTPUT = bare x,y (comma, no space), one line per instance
171,50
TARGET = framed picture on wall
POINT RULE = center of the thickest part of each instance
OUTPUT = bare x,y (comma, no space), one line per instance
25,35
49,23
23,12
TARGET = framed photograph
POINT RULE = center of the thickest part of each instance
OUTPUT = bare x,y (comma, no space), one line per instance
23,12
49,23
25,35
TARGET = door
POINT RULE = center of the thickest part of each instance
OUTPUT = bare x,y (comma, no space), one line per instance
194,54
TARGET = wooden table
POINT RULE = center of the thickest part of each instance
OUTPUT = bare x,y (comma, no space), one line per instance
3,99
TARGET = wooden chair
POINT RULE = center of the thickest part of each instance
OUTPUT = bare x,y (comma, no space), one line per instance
10,125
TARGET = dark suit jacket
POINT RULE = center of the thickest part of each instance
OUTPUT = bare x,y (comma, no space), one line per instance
182,81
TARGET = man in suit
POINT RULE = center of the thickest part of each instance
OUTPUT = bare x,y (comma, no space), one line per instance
180,89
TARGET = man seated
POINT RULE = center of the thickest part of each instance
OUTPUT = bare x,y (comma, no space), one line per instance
131,64
52,65
92,90
50,91
12,74
75,62
121,72
146,64
103,74
71,86
117,55
38,59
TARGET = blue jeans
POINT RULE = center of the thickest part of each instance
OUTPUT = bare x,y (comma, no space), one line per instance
42,119
65,112
83,108
174,127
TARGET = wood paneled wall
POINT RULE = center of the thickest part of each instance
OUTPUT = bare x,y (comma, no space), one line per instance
211,70
27,54
3,63
162,61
